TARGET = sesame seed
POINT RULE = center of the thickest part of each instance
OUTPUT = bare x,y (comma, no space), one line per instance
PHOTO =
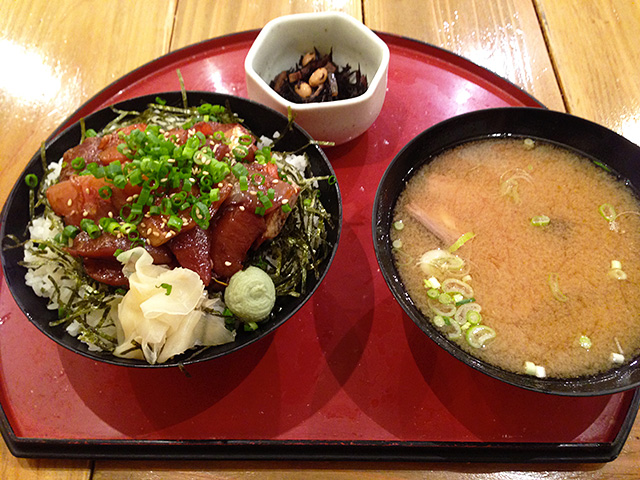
227,263
241,208
275,180
253,192
69,202
85,213
87,190
110,214
285,201
149,230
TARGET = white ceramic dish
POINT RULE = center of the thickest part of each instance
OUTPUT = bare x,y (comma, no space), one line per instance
281,43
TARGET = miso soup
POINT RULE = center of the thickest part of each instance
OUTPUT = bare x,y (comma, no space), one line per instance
525,254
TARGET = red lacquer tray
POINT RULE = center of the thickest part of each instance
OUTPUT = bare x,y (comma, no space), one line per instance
348,377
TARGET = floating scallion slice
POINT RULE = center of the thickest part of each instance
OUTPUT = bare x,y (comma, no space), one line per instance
555,288
616,270
478,335
607,211
464,238
585,342
540,220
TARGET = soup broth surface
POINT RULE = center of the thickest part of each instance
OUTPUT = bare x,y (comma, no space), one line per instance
493,188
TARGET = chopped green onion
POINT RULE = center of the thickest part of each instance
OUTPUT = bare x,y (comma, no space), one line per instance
105,192
433,293
617,358
531,368
200,214
618,274
250,326
78,163
90,227
464,238
70,231
126,227
31,180
585,342
445,299
540,220
264,199
175,223
438,321
555,287
286,208
167,287
474,317
120,181
616,270
179,198
239,170
607,211
464,301
245,140
478,335
432,282
398,225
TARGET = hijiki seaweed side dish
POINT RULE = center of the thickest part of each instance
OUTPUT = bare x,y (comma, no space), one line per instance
171,229
316,78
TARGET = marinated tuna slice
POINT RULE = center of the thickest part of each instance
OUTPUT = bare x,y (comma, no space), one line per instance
109,144
77,198
88,150
236,229
191,249
156,230
106,245
106,270
265,183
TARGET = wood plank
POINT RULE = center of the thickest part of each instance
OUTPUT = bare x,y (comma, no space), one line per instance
502,35
596,51
198,20
34,469
61,54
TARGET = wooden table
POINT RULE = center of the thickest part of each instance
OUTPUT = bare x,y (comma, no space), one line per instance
580,57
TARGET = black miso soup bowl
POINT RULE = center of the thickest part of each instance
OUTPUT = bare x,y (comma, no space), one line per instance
582,136
261,120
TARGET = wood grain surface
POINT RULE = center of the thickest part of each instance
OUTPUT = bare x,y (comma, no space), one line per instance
581,57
